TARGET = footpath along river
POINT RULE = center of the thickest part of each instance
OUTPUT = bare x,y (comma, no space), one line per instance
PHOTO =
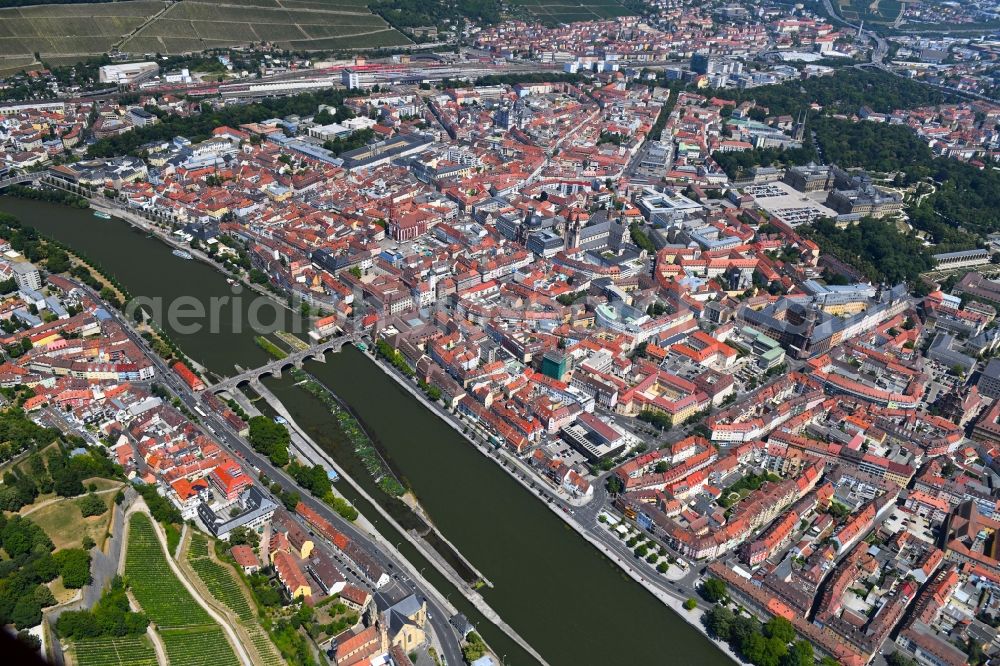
559,593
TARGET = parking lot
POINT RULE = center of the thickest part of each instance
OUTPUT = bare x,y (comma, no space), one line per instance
915,525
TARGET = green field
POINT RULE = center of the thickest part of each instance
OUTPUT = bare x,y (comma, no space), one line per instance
872,11
65,525
13,65
153,26
162,597
189,634
123,651
224,584
198,546
565,11
86,29
192,25
198,646
265,648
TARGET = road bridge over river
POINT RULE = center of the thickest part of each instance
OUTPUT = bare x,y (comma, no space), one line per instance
316,352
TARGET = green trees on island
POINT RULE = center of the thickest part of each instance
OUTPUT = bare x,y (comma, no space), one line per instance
270,438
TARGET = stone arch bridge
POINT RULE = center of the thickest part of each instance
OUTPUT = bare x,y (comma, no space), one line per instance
316,352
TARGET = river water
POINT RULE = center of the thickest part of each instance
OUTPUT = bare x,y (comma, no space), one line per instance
566,599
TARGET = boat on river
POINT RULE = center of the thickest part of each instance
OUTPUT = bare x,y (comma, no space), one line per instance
101,214
183,254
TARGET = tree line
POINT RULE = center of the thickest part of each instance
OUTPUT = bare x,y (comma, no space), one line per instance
845,92
875,247
29,565
199,126
111,616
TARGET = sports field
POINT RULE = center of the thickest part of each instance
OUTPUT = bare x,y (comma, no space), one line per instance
153,26
567,11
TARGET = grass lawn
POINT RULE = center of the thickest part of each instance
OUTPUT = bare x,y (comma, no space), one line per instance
103,484
60,591
66,526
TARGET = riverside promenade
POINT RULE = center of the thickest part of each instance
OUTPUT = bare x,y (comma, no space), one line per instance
313,453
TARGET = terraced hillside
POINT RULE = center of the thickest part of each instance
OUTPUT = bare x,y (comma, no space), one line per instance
189,634
568,11
60,32
69,30
223,583
871,11
115,651
296,24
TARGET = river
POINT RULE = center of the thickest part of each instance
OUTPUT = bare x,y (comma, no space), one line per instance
566,599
